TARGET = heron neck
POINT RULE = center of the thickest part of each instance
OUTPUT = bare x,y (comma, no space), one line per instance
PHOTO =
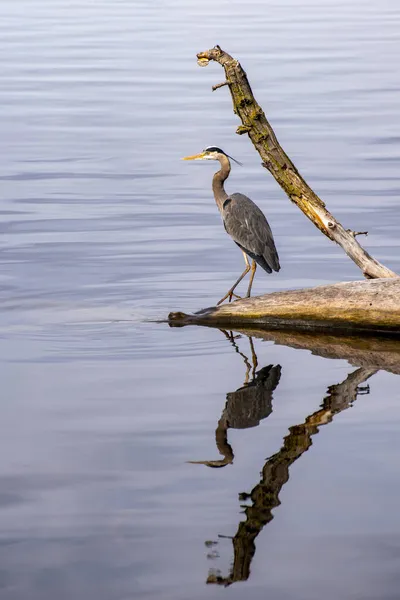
220,194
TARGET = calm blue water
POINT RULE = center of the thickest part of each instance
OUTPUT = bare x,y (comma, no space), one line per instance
104,230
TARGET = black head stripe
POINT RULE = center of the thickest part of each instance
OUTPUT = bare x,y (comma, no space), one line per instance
214,149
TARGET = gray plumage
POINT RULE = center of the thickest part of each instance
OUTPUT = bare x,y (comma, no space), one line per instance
248,227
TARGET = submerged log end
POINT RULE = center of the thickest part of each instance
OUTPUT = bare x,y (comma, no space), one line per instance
180,319
370,306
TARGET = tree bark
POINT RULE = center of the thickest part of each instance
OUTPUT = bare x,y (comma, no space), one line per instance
256,125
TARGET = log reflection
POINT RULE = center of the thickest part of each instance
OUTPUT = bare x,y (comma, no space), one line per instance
246,406
264,497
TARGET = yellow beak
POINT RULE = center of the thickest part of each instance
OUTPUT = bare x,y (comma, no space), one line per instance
195,156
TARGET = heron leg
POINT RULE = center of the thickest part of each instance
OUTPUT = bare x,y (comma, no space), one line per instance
230,293
253,272
254,357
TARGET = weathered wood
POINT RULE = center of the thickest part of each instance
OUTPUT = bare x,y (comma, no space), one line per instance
372,305
259,130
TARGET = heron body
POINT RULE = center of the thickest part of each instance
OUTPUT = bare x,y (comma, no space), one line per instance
243,221
248,227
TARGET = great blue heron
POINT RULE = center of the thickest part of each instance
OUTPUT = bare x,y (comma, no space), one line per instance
243,220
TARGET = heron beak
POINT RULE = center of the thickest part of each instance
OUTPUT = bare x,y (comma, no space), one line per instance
200,156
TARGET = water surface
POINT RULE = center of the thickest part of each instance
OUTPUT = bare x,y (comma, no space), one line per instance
104,231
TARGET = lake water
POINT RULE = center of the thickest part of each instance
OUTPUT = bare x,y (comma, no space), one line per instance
105,231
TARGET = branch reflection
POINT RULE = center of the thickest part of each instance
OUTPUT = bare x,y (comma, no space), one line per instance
246,406
264,497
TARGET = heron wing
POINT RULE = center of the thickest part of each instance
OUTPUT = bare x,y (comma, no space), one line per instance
249,228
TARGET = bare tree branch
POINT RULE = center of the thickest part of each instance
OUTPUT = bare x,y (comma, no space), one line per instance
255,124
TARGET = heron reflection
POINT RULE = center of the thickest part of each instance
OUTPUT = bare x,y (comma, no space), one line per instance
245,407
264,496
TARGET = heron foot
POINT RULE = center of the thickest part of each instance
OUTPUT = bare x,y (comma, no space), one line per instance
229,295
234,296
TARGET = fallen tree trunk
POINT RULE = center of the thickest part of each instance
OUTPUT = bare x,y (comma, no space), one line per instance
255,124
357,306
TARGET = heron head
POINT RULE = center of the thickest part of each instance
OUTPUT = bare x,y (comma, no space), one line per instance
210,153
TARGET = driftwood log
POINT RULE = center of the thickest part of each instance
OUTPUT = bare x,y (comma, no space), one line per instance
357,306
260,132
